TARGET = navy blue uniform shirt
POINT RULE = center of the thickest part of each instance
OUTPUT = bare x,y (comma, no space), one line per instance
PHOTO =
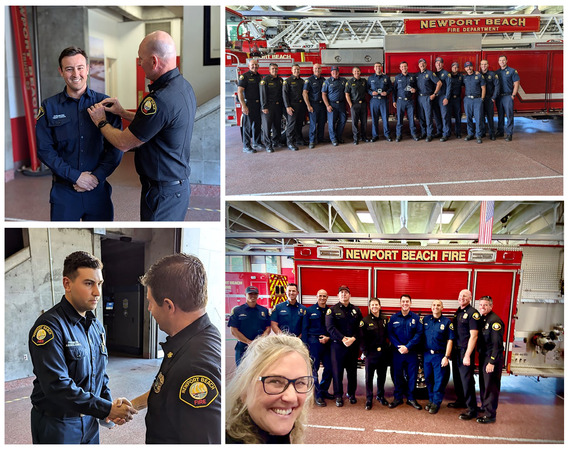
426,82
445,78
314,324
70,143
335,89
403,84
507,78
251,322
456,82
405,330
379,83
490,342
343,321
314,88
492,83
465,320
289,317
473,84
184,405
164,121
69,355
437,332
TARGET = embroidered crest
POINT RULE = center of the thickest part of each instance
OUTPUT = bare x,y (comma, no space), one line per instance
442,327
465,316
476,315
198,391
451,326
496,326
241,77
329,312
148,107
362,323
42,335
41,112
158,382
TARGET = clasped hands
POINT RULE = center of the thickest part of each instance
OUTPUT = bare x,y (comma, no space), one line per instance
348,341
122,411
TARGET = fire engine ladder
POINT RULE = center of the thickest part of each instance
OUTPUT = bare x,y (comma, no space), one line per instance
344,32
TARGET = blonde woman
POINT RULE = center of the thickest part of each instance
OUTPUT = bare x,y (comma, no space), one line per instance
269,396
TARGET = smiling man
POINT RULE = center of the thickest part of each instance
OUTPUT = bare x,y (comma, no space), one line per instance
69,354
72,147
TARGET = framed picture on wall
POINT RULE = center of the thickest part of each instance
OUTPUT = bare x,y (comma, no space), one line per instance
211,35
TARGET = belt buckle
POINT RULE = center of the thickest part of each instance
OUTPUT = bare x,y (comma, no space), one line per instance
432,352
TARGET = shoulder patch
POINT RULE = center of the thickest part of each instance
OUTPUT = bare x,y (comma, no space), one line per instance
476,315
42,335
198,391
148,108
451,326
421,319
41,112
496,326
329,312
241,77
362,323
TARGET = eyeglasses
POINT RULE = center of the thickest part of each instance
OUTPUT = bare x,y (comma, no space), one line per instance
275,384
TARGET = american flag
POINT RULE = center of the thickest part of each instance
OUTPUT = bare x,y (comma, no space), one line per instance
486,222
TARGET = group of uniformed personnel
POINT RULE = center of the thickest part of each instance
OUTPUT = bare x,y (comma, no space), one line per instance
337,335
438,96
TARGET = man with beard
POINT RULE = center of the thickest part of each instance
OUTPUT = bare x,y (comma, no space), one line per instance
312,94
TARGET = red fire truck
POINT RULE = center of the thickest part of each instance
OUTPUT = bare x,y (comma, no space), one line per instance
272,288
439,272
537,55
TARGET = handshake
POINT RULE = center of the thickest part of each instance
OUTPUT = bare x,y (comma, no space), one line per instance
121,412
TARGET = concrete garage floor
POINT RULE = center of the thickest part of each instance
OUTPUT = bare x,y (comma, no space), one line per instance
531,164
530,412
27,198
128,377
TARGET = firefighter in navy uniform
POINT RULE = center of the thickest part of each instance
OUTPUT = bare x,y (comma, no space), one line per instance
428,85
404,88
405,332
475,93
69,355
490,359
438,332
248,95
466,322
295,107
374,345
72,147
509,82
456,82
379,87
288,316
492,92
312,94
317,339
184,404
248,321
160,130
441,107
271,98
355,92
343,324
334,98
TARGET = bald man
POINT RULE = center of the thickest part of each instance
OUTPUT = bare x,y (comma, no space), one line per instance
160,130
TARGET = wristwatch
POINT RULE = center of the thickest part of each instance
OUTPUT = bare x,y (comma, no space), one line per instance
102,123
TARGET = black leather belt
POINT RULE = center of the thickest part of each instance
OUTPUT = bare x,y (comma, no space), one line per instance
473,96
58,415
425,95
502,95
404,98
435,352
163,183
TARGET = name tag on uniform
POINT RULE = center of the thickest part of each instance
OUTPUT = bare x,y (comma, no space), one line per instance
73,344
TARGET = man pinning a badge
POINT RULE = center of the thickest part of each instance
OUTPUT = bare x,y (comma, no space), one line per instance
184,405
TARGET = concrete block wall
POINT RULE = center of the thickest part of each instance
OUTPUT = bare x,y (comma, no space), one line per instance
205,147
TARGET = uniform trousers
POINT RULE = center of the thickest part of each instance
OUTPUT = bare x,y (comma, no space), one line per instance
251,124
441,114
375,363
505,107
240,349
271,125
405,107
464,380
66,204
455,107
336,120
317,120
295,123
436,377
359,115
405,373
379,107
489,114
47,429
473,112
321,353
489,385
342,358
161,201
426,123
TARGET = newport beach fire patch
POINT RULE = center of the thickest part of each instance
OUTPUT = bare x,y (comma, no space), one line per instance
198,391
42,335
148,107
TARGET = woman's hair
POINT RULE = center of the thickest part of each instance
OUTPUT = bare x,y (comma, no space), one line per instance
262,353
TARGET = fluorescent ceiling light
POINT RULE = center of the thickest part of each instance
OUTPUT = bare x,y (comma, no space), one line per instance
364,216
445,217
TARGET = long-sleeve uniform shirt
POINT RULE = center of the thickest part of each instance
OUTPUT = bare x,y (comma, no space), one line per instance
184,404
491,341
343,321
289,317
405,330
374,339
293,91
314,324
271,91
69,355
69,143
